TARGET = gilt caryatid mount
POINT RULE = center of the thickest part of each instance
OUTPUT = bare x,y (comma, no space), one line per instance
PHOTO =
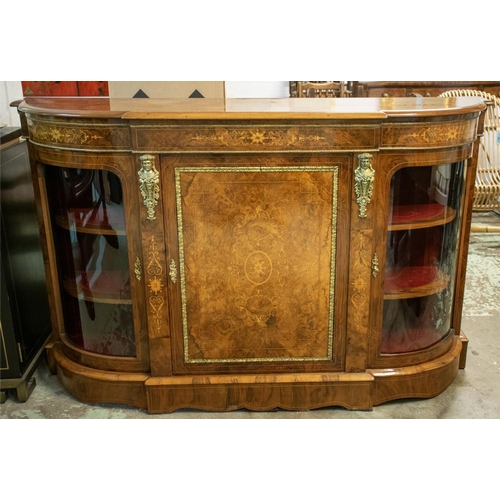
364,176
149,180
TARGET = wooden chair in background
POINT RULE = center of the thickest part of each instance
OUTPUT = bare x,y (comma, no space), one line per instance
487,182
321,89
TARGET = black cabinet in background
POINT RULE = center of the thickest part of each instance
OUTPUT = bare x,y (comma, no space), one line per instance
25,324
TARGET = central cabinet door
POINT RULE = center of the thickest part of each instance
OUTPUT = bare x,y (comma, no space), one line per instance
254,257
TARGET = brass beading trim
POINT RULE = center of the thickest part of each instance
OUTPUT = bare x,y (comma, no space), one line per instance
180,230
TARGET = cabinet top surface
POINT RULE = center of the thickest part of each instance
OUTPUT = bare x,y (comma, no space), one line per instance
237,109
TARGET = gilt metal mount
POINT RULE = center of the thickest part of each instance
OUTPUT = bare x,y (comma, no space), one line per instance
375,269
138,269
364,176
149,184
173,271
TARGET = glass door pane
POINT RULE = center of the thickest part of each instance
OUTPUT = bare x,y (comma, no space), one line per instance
421,254
88,228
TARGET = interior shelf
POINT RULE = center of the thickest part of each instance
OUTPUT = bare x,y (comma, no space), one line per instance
414,281
109,287
420,216
105,221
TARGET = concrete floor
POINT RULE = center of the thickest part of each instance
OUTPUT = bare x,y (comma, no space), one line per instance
475,393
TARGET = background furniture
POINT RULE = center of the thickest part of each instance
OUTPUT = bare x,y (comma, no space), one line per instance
487,189
65,88
421,88
322,89
255,253
25,324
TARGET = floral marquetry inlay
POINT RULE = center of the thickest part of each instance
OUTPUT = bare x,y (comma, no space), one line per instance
251,288
263,138
277,138
360,267
428,134
87,136
155,282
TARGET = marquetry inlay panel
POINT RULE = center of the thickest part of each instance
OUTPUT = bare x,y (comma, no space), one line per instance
255,138
155,283
257,262
360,280
85,136
428,134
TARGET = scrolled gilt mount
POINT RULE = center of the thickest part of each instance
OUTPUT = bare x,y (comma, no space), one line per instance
138,269
173,271
375,268
149,184
364,176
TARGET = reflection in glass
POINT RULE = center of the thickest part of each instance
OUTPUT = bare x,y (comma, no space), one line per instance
421,254
91,246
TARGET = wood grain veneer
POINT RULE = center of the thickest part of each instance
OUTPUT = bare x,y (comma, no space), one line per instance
257,272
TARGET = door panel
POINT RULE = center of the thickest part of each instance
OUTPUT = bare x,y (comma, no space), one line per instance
256,248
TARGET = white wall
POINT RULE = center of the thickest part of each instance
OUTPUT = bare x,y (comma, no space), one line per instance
257,89
9,91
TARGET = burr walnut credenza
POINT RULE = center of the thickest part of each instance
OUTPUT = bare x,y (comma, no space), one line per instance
254,253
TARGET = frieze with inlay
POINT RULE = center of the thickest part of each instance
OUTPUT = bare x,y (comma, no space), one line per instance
256,138
80,136
427,135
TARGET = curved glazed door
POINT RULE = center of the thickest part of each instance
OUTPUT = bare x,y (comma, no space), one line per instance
421,256
96,241
424,217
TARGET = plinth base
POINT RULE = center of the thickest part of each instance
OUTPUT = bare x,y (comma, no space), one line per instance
296,391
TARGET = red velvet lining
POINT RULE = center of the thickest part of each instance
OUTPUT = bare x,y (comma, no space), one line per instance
412,213
110,218
405,278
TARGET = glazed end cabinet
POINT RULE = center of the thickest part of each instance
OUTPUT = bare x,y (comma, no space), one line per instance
254,253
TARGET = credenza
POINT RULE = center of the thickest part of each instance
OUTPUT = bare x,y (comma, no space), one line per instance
254,253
